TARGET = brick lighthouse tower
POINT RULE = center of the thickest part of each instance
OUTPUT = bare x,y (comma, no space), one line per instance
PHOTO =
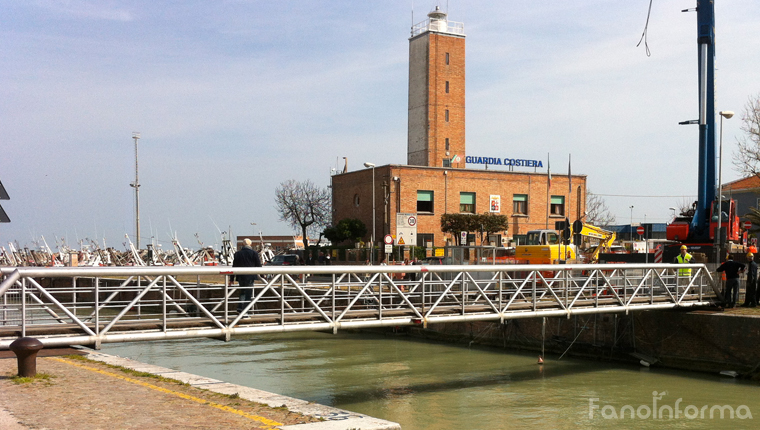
436,93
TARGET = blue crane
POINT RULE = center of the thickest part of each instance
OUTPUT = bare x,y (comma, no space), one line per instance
706,174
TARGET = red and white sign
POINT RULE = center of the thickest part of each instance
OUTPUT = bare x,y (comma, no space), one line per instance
747,225
640,230
658,254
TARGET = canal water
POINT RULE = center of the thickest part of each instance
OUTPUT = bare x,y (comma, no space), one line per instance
428,385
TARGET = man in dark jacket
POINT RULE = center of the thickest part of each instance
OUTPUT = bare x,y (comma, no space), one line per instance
245,257
732,269
749,296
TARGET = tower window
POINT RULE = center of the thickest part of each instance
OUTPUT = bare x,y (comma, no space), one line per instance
447,115
447,87
447,58
446,162
447,148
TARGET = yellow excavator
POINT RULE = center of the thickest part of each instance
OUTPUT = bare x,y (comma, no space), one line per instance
546,247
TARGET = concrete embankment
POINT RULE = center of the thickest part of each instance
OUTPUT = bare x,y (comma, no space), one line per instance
705,340
109,391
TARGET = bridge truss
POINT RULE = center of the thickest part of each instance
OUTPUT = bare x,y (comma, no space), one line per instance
90,306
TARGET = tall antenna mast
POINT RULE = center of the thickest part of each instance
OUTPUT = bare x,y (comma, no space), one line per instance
136,186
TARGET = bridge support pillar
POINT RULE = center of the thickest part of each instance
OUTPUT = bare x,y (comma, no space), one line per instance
26,349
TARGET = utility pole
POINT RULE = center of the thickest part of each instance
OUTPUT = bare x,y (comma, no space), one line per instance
136,186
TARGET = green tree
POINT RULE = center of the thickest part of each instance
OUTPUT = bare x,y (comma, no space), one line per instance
485,224
491,223
455,223
346,229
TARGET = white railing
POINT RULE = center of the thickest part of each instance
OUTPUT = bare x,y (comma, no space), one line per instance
451,27
90,306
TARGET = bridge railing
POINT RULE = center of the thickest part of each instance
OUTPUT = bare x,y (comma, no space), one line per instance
86,306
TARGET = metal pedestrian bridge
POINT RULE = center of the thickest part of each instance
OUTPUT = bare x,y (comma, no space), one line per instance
93,305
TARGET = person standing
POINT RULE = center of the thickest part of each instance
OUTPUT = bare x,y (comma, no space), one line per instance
732,269
750,291
684,275
245,257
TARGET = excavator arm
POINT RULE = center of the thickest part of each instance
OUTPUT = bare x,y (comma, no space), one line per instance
605,238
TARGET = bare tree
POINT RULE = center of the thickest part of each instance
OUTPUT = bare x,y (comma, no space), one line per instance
597,212
304,206
747,159
686,207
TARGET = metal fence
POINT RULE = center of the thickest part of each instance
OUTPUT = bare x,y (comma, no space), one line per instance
90,306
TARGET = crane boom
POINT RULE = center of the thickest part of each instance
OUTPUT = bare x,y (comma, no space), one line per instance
706,72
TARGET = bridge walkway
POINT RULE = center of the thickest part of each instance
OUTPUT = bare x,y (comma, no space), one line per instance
90,306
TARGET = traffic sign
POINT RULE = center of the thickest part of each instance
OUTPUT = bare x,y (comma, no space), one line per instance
747,225
640,230
406,229
388,239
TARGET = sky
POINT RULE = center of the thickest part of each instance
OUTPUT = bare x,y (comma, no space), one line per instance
232,98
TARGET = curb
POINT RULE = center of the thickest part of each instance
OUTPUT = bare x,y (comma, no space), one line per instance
334,418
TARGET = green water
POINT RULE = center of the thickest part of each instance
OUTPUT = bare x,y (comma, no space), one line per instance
426,385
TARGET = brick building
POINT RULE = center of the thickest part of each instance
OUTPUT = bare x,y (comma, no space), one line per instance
746,193
436,179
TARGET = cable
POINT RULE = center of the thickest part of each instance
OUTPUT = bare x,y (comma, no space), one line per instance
633,195
644,34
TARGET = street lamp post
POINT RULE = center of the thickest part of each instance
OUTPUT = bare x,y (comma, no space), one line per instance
136,186
631,207
372,166
723,114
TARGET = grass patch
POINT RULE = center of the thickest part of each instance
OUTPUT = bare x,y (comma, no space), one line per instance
128,371
46,377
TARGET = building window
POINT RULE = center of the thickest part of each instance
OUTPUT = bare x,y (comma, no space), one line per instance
447,115
467,203
520,204
356,200
425,240
447,148
447,87
447,58
425,201
447,162
557,205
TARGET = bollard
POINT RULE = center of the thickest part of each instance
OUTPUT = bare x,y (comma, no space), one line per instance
26,349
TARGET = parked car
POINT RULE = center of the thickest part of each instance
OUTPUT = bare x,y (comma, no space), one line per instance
284,260
436,260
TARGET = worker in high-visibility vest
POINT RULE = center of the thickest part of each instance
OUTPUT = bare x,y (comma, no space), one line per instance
684,258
